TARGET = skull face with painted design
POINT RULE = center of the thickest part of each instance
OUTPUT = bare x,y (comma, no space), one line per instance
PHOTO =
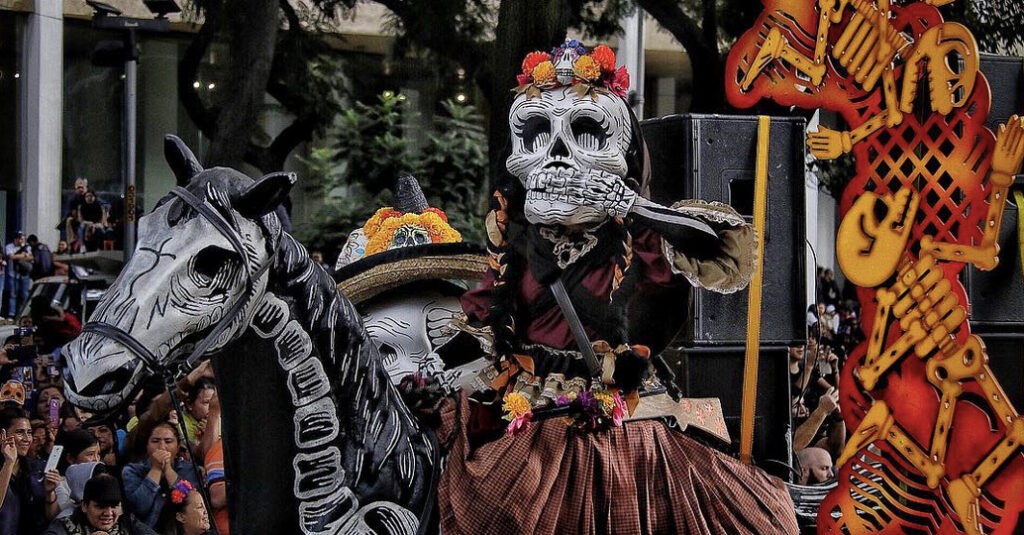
569,153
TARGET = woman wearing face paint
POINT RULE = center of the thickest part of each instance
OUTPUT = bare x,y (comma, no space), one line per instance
100,513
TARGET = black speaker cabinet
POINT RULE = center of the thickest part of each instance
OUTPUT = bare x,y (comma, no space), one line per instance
712,157
718,372
1006,359
997,296
1005,75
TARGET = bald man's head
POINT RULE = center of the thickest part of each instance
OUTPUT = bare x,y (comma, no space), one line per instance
815,465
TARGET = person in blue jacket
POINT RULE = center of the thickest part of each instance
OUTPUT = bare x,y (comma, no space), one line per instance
148,483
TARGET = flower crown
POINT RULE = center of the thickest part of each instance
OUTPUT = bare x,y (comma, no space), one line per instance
380,229
571,65
180,491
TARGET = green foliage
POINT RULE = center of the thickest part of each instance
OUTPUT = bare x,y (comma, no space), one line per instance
365,150
996,24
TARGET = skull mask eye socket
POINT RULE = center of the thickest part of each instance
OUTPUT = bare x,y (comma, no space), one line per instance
589,134
536,133
217,267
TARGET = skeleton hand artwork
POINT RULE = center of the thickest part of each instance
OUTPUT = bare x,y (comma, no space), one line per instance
597,189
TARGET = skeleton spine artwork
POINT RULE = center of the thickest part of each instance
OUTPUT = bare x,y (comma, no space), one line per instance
317,440
936,446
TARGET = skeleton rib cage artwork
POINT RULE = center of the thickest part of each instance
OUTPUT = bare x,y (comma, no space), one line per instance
935,446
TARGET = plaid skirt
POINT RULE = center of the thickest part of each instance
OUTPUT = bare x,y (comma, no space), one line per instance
642,478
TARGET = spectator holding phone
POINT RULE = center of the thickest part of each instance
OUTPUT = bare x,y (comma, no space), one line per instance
29,489
148,483
99,513
79,447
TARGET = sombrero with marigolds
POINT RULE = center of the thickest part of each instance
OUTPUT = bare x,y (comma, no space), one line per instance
403,244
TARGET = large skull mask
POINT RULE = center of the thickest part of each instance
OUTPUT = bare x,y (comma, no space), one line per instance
560,141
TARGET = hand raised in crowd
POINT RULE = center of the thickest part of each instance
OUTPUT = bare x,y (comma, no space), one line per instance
160,459
8,447
205,369
50,480
829,401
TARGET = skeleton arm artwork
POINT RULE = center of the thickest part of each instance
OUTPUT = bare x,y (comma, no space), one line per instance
609,193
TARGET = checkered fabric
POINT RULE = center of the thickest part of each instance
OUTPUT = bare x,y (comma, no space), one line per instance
643,478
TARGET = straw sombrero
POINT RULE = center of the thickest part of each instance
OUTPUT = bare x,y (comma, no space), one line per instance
378,263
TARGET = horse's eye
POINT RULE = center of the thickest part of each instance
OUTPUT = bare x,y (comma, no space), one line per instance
211,260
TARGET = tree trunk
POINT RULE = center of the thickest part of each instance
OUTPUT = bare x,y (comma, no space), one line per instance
701,44
251,31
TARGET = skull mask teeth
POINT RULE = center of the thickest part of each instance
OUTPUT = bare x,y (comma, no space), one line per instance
561,143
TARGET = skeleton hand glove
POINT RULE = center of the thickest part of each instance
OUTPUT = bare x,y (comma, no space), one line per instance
600,190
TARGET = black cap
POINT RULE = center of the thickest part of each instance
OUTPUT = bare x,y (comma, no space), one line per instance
102,489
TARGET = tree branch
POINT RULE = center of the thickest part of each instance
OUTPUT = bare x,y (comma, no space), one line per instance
679,24
465,50
188,71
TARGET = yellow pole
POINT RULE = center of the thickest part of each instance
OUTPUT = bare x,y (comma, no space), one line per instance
754,304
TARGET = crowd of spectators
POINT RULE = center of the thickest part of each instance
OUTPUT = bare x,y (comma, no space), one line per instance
833,331
65,471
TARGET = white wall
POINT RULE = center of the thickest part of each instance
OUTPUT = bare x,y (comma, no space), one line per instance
40,125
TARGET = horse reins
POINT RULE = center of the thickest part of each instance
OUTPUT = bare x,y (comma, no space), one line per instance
168,373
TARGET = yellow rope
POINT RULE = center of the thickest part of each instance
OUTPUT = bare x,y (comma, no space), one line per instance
1018,196
754,304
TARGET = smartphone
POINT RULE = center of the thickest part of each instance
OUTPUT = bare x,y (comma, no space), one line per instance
54,413
51,462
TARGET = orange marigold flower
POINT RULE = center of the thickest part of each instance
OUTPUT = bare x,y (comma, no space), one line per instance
604,56
587,68
533,59
515,405
544,73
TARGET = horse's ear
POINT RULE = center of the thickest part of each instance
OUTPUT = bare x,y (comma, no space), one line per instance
183,163
265,195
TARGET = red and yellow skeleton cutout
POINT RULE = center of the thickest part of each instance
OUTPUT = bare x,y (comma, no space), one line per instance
927,199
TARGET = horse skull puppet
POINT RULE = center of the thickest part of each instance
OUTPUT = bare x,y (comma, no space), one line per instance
316,438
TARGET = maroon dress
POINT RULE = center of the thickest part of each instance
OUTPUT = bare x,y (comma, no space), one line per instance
642,478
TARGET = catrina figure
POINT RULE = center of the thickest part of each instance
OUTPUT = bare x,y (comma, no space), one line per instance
547,443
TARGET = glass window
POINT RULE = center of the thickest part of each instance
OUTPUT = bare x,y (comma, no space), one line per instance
10,80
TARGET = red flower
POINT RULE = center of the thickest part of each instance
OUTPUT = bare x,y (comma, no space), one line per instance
619,84
531,61
605,57
440,213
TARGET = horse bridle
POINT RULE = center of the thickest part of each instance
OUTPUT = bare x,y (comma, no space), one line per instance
149,360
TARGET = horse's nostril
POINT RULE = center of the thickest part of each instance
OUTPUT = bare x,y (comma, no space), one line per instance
110,382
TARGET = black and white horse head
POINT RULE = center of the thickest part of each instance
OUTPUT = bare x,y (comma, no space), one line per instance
201,260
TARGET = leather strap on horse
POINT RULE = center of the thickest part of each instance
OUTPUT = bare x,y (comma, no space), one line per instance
754,304
150,361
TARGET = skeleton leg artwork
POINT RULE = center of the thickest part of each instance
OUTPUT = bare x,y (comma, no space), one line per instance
928,313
